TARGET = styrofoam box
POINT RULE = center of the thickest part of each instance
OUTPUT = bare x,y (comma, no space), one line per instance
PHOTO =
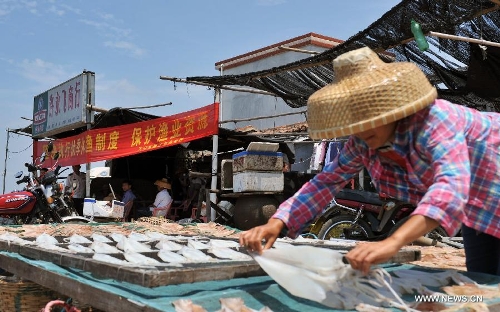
100,208
258,161
255,181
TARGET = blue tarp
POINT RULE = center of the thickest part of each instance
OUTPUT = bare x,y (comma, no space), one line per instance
256,292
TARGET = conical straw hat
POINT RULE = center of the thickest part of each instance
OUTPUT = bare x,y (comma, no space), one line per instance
366,93
163,183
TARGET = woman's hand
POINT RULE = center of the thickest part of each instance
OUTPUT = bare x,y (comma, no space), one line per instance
364,255
253,238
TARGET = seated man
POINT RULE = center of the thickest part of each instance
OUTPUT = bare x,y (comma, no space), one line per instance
128,198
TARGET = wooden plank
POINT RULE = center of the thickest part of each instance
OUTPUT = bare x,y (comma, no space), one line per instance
70,287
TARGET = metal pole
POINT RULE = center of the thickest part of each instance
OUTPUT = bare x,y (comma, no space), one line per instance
5,163
90,106
256,91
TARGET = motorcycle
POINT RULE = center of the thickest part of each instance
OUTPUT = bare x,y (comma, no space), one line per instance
43,200
363,215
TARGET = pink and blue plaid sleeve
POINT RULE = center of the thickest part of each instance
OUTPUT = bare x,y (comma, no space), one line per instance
446,147
313,197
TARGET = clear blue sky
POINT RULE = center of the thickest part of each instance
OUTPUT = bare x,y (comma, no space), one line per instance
130,44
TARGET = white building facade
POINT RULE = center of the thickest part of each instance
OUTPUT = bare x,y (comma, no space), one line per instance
235,105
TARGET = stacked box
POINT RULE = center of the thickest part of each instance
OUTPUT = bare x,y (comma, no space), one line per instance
258,181
258,161
258,171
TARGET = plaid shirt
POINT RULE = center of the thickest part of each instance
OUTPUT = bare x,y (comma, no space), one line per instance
452,174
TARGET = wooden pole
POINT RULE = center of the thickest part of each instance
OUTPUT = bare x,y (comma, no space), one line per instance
453,37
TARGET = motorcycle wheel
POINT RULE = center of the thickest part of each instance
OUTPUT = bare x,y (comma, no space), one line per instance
437,232
334,228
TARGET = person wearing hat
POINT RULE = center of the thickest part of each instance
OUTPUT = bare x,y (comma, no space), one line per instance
163,197
440,156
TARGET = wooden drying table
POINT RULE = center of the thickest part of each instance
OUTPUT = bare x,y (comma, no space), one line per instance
111,295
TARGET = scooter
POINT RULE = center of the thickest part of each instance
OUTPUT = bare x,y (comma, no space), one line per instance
43,200
362,215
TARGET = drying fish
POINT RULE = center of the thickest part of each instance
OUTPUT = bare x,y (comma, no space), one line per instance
109,259
104,248
194,254
127,244
12,237
79,248
228,253
157,236
197,244
139,237
237,305
100,238
180,238
168,245
223,243
171,257
50,246
77,239
319,274
473,290
279,243
186,305
117,237
138,258
46,239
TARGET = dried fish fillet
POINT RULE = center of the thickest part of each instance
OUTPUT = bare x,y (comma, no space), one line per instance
197,244
223,243
194,254
12,237
100,238
104,248
237,305
228,253
117,237
46,239
79,248
157,235
139,237
77,239
168,245
127,244
186,305
138,258
50,246
171,257
109,259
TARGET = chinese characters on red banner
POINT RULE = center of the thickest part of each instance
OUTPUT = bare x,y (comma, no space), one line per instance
114,142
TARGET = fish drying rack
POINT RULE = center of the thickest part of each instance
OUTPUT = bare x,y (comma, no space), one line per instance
165,274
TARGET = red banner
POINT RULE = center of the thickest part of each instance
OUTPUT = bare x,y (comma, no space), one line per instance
114,142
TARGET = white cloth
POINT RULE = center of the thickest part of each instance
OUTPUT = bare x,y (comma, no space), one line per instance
76,184
162,199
